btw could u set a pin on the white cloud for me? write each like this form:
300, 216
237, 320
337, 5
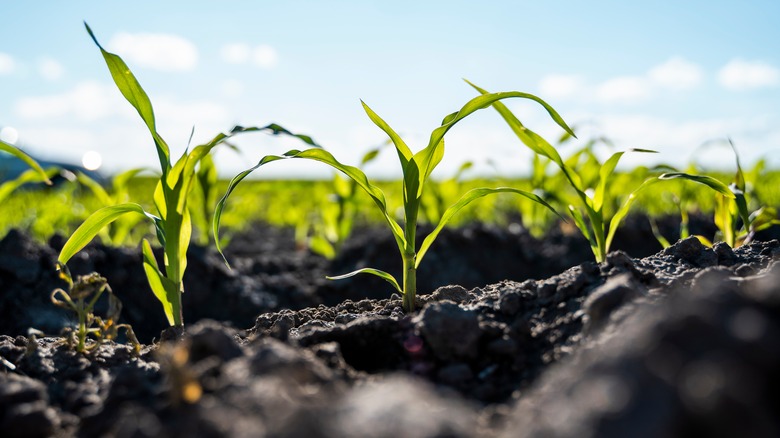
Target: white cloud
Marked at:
262, 56
624, 89
676, 73
678, 141
235, 53
265, 56
740, 75
162, 52
560, 86
179, 117
7, 63
88, 101
50, 69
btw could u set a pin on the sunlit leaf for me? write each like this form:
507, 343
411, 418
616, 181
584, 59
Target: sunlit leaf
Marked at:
93, 224
381, 274
466, 199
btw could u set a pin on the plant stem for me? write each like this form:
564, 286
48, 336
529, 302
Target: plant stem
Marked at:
82, 330
410, 281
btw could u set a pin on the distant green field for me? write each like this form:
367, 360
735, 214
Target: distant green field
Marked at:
44, 211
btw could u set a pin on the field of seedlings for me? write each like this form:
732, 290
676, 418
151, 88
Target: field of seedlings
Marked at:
585, 299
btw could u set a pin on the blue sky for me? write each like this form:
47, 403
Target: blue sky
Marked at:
664, 75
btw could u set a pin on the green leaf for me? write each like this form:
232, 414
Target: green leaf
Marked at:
274, 129
467, 198
604, 173
708, 181
94, 223
534, 141
320, 245
322, 156
28, 176
614, 223
95, 187
161, 286
579, 221
18, 153
382, 274
404, 153
130, 88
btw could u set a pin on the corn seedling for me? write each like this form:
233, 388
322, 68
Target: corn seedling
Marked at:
416, 168
81, 297
594, 224
173, 222
737, 225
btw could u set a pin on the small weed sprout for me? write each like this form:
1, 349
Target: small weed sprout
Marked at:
173, 223
81, 297
416, 169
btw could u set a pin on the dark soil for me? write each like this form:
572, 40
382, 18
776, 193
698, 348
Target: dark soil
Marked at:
513, 336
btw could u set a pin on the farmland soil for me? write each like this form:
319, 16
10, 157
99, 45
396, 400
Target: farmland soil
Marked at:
513, 336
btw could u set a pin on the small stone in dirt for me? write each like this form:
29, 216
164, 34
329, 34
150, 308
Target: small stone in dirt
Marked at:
609, 296
726, 256
453, 292
451, 331
210, 338
692, 251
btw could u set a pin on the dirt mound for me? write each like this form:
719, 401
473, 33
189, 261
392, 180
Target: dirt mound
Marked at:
679, 343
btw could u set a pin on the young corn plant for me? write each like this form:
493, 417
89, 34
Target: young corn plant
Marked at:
736, 224
173, 221
416, 169
595, 223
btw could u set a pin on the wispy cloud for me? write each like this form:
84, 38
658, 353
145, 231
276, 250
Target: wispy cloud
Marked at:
739, 75
164, 52
561, 86
677, 73
262, 56
7, 63
624, 89
50, 69
87, 101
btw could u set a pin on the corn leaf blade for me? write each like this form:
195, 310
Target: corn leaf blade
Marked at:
18, 153
381, 274
130, 88
466, 199
160, 285
96, 222
708, 181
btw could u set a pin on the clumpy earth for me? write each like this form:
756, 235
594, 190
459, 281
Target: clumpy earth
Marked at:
512, 336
